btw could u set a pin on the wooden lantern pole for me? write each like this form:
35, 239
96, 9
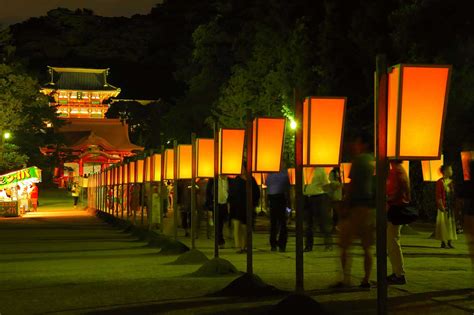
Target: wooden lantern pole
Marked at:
175, 189
215, 188
249, 194
299, 287
381, 100
193, 191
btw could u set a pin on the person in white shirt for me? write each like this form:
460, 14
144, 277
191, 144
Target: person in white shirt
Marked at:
317, 205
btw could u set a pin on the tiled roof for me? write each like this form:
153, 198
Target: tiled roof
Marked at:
111, 134
79, 79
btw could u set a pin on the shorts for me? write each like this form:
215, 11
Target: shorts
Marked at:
360, 224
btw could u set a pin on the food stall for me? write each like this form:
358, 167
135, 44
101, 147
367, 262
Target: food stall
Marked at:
11, 186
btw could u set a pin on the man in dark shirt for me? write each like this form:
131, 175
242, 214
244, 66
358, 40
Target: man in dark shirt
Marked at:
278, 191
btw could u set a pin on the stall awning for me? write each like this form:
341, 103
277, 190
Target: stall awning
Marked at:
26, 176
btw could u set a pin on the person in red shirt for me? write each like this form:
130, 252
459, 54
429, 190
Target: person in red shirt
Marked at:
398, 194
34, 197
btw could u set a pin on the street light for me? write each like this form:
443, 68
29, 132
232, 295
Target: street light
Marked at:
7, 135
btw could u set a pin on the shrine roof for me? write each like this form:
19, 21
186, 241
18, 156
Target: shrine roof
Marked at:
110, 134
79, 79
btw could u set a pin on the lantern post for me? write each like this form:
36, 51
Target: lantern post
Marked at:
175, 189
249, 193
215, 200
381, 104
299, 261
193, 191
161, 187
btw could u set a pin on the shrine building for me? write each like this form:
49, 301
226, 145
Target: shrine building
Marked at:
91, 141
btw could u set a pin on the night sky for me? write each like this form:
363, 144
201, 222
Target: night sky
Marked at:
13, 11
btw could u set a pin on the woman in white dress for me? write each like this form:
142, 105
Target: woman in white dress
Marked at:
445, 221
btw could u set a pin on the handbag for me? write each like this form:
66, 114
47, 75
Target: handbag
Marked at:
402, 214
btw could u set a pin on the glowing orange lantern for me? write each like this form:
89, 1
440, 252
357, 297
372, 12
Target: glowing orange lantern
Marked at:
125, 174
231, 150
466, 158
156, 167
323, 128
417, 99
292, 175
267, 144
204, 158
139, 171
345, 171
184, 161
432, 170
120, 175
169, 164
131, 172
148, 169
308, 175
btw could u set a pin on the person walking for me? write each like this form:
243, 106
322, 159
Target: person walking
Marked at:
318, 205
358, 217
335, 195
34, 197
222, 205
238, 207
184, 204
278, 192
398, 195
445, 221
75, 193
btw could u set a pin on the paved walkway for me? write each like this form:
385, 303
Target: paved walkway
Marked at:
65, 261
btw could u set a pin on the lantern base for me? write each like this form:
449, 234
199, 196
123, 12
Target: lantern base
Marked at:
216, 267
192, 257
249, 285
301, 302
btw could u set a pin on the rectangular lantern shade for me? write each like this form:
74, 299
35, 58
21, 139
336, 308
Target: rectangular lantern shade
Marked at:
292, 175
466, 158
307, 175
231, 150
148, 169
261, 179
131, 172
139, 171
323, 128
431, 170
102, 178
125, 174
109, 177
169, 164
267, 144
417, 99
119, 175
156, 167
205, 157
345, 171
185, 161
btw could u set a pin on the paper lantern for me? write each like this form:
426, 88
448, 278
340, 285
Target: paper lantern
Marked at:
185, 161
204, 158
431, 170
169, 164
156, 167
261, 179
148, 169
131, 172
466, 158
323, 128
267, 144
345, 171
417, 99
109, 177
102, 178
292, 175
308, 175
120, 175
125, 174
231, 150
139, 171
